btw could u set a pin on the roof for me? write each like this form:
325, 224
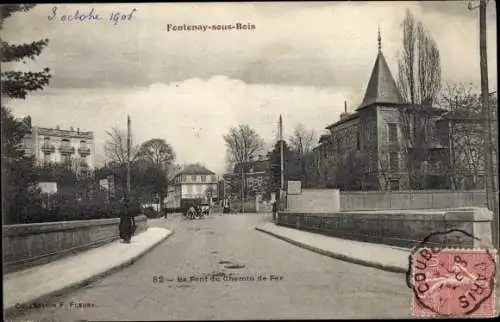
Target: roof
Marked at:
382, 88
195, 169
346, 119
257, 166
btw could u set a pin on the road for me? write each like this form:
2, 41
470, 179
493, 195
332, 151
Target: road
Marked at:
306, 285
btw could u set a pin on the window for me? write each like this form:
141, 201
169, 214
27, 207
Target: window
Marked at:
357, 141
394, 185
393, 132
393, 161
83, 144
65, 143
193, 178
203, 178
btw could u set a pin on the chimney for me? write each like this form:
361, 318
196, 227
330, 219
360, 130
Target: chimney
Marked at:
57, 127
71, 129
77, 130
344, 115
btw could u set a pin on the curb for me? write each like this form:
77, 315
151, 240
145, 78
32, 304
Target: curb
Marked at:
389, 268
9, 311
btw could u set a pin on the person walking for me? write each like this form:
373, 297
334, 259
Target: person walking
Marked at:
127, 222
275, 209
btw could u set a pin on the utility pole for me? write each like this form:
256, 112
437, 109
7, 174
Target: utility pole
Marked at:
128, 156
282, 163
486, 109
242, 187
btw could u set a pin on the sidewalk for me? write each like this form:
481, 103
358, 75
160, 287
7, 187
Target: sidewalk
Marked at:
25, 287
394, 259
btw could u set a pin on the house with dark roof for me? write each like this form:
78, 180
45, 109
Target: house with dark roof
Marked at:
372, 136
194, 181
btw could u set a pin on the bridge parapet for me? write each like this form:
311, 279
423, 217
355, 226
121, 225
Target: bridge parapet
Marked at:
402, 228
26, 245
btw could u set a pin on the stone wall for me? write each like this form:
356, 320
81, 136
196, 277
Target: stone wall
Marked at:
398, 228
314, 200
25, 245
424, 199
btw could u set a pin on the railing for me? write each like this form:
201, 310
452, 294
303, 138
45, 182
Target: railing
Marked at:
64, 149
84, 151
48, 148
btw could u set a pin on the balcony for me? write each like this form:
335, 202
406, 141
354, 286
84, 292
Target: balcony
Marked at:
66, 149
84, 151
48, 148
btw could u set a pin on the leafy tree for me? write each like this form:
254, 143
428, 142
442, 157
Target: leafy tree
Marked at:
157, 156
17, 84
20, 198
291, 167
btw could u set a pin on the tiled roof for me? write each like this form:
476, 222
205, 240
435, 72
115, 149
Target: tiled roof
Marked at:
382, 87
195, 169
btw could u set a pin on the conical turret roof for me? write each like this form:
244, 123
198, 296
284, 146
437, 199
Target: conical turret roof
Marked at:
382, 87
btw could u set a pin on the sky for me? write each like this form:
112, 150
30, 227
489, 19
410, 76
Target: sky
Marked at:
301, 60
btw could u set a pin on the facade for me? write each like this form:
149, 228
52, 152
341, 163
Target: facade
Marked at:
50, 146
365, 150
193, 182
256, 178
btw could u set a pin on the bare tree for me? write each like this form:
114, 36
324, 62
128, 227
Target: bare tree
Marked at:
419, 82
243, 144
301, 143
115, 147
464, 134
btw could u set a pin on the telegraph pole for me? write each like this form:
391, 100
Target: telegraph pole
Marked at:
485, 102
128, 155
282, 165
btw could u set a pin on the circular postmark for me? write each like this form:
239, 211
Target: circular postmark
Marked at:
451, 282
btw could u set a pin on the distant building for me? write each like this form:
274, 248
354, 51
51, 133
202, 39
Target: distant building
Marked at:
46, 145
365, 148
194, 181
256, 178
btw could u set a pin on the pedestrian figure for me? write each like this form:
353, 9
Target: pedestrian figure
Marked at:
127, 222
275, 208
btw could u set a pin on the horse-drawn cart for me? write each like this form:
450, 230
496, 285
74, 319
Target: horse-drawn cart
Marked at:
195, 208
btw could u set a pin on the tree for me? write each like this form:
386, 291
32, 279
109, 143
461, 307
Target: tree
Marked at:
115, 147
291, 166
242, 145
17, 84
157, 155
464, 132
20, 198
302, 142
419, 82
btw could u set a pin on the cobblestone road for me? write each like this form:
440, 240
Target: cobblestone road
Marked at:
308, 285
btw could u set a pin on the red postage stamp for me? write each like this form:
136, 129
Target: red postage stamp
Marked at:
453, 282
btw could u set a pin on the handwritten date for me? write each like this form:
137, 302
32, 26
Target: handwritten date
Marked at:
92, 15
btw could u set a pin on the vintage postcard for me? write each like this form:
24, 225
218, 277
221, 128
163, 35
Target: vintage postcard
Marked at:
249, 160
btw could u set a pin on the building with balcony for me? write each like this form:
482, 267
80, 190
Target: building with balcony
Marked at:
72, 147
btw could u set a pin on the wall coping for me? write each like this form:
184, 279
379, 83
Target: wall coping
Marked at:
450, 214
423, 192
45, 227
